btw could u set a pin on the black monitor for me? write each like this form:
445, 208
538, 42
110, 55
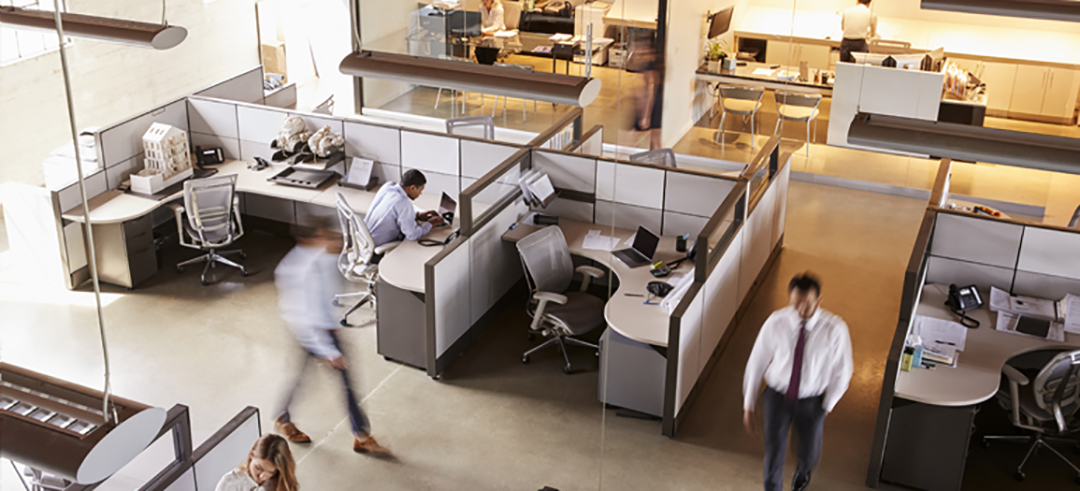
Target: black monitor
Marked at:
463, 23
720, 22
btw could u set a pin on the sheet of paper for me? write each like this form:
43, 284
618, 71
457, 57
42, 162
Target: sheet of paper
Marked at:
506, 34
764, 72
1007, 322
1002, 301
1072, 313
999, 299
360, 171
597, 242
941, 332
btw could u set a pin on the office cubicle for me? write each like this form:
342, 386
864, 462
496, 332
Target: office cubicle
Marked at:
963, 248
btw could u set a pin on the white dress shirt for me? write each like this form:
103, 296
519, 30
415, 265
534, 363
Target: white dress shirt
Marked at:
491, 21
238, 480
393, 216
305, 280
826, 363
859, 23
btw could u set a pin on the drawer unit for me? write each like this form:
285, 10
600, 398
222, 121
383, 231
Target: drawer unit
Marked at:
125, 252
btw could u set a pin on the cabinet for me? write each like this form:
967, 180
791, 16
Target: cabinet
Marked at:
790, 54
1060, 98
1000, 78
1027, 96
125, 252
1047, 92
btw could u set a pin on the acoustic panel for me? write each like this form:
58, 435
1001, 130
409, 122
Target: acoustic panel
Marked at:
315, 123
1050, 252
227, 454
251, 149
432, 153
693, 194
567, 171
952, 271
630, 184
70, 197
246, 87
452, 298
229, 146
1044, 286
721, 298
690, 362
679, 224
757, 236
124, 140
213, 118
627, 217
373, 142
479, 158
119, 173
570, 209
495, 264
441, 183
258, 124
976, 240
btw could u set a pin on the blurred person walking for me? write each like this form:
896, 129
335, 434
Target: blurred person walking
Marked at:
803, 353
304, 279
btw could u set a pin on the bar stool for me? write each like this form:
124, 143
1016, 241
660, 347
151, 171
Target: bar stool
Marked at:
743, 101
802, 108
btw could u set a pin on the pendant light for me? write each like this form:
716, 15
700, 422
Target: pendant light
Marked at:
158, 36
1063, 10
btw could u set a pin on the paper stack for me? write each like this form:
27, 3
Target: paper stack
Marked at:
597, 242
1030, 316
941, 339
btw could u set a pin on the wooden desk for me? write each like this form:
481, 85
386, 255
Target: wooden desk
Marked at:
628, 316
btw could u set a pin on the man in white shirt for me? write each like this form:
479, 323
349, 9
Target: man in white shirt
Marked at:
304, 279
804, 355
491, 17
393, 217
859, 25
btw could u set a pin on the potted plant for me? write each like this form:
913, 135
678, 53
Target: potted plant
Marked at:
716, 53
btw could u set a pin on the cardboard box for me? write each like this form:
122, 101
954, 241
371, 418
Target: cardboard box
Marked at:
273, 58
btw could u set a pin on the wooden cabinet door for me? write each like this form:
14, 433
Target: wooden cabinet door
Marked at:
781, 53
1029, 90
1059, 100
1000, 78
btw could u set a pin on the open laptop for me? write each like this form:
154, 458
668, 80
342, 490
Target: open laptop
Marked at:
447, 207
642, 250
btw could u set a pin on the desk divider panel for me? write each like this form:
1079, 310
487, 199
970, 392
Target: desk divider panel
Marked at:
379, 143
447, 283
214, 124
245, 87
226, 449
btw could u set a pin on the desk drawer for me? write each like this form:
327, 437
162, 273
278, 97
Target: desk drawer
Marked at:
139, 232
142, 264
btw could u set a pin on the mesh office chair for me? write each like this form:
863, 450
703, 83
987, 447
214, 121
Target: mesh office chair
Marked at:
355, 261
1047, 407
212, 221
742, 101
802, 108
664, 157
556, 312
470, 125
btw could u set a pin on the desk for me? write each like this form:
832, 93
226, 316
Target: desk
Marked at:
744, 75
943, 401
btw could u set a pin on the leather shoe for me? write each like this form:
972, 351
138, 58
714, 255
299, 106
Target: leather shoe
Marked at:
369, 446
290, 432
799, 483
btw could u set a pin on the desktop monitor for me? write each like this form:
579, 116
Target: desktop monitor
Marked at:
720, 22
463, 23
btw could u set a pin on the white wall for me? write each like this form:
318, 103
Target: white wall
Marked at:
112, 81
384, 26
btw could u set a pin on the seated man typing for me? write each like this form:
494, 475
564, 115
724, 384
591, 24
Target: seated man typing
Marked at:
392, 216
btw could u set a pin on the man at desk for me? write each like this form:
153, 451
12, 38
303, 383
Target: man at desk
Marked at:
392, 215
859, 25
491, 17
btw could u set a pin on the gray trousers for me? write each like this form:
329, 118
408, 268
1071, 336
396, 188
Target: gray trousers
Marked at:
809, 419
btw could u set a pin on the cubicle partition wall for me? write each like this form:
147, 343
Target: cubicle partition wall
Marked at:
245, 87
592, 142
735, 248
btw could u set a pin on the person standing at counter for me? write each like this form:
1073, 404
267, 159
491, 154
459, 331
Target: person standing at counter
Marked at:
491, 17
860, 26
392, 215
804, 355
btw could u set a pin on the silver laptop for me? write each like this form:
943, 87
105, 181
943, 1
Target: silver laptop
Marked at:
447, 207
641, 251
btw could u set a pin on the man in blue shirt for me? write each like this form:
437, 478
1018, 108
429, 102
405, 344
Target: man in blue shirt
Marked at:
392, 215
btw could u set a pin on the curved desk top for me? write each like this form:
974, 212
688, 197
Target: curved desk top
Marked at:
977, 374
629, 316
403, 267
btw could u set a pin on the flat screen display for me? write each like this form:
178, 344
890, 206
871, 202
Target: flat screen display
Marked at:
721, 22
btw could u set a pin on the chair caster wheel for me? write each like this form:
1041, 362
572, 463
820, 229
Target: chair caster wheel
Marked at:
1019, 476
179, 269
243, 272
984, 443
204, 282
532, 337
525, 359
344, 323
335, 303
567, 370
242, 255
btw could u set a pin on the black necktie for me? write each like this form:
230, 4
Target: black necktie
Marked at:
796, 366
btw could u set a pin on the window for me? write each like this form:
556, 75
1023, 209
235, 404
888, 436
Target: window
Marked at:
22, 44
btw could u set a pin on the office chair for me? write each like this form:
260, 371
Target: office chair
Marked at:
40, 481
556, 312
664, 157
1075, 220
1046, 408
486, 124
802, 108
212, 222
355, 261
742, 101
495, 107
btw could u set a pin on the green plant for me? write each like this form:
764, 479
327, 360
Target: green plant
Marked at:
717, 50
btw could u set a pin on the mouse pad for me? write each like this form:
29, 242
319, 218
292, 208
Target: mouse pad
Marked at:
1032, 326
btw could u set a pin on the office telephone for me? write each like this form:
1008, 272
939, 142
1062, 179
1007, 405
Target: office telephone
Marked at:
961, 300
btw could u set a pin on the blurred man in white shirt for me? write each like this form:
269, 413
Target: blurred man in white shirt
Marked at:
860, 26
804, 355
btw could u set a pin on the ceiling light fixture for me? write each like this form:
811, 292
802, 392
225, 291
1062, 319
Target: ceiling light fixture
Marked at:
158, 36
473, 77
965, 142
1063, 10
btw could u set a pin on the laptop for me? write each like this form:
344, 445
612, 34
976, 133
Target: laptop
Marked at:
447, 207
642, 250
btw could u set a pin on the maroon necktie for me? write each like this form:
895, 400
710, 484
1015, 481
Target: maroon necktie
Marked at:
796, 366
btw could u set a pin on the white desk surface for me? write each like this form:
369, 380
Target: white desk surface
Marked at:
403, 267
629, 316
978, 371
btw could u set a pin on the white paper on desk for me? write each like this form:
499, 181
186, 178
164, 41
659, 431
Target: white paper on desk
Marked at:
941, 332
1035, 307
360, 171
1007, 322
764, 72
1072, 313
597, 242
680, 284
506, 34
999, 299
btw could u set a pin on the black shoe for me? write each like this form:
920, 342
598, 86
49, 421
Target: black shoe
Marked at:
799, 483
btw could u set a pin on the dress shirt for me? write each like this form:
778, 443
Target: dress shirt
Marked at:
392, 216
491, 21
859, 23
304, 280
826, 366
238, 480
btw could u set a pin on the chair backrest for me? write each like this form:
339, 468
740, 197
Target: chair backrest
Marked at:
1058, 384
511, 14
548, 266
209, 206
745, 93
795, 99
486, 124
663, 157
358, 247
326, 107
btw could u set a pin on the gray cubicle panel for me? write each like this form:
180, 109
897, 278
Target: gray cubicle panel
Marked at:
437, 156
245, 87
568, 172
226, 449
258, 126
448, 300
379, 143
121, 146
214, 124
592, 142
1048, 265
973, 250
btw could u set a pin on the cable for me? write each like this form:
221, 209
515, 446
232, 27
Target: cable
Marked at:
964, 319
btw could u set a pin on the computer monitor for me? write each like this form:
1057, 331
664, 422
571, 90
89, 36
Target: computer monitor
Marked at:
463, 23
720, 22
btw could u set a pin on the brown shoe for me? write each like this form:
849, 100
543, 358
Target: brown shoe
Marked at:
290, 432
370, 446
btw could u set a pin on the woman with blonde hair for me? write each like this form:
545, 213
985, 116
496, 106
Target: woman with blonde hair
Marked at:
269, 467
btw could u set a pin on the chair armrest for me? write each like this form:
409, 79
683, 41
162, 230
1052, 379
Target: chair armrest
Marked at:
387, 247
1014, 375
588, 273
178, 211
544, 298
